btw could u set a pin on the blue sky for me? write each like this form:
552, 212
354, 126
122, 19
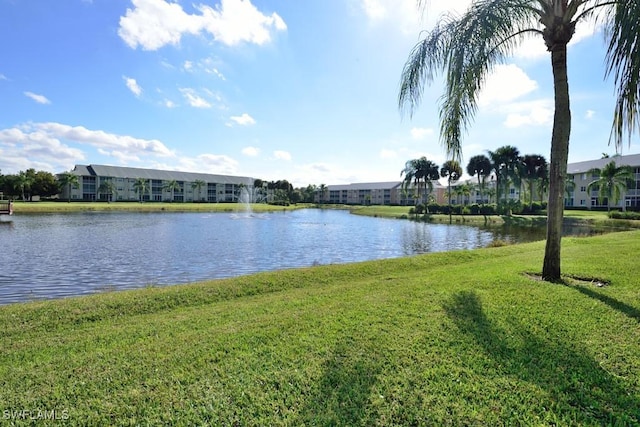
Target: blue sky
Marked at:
274, 89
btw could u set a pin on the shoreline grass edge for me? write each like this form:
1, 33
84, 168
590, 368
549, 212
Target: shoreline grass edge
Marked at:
464, 337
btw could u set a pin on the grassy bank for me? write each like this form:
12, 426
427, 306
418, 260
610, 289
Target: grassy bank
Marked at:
587, 218
458, 338
52, 207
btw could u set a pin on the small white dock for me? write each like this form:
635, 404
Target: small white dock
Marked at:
6, 207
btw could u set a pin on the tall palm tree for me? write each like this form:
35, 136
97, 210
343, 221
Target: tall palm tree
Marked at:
463, 191
321, 196
480, 167
465, 48
611, 183
534, 168
197, 186
452, 171
68, 179
422, 173
505, 165
108, 188
569, 186
141, 186
171, 186
23, 181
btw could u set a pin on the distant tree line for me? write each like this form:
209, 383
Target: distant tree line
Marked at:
505, 167
284, 193
27, 184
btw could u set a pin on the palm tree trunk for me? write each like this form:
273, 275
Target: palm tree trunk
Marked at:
531, 195
558, 165
449, 192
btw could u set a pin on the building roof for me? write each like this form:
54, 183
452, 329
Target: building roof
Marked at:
372, 186
582, 167
365, 186
164, 175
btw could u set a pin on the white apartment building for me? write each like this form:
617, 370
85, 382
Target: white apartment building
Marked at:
579, 172
216, 188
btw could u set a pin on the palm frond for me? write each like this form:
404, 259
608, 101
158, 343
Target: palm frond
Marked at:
623, 62
465, 49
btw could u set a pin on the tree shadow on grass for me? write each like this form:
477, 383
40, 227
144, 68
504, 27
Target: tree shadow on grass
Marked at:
620, 306
342, 395
581, 391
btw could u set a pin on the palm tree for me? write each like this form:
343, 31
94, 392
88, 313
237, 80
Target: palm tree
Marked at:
197, 185
23, 181
569, 186
422, 172
467, 47
141, 186
107, 188
463, 191
505, 164
68, 179
171, 185
491, 193
452, 171
534, 168
321, 196
611, 183
480, 166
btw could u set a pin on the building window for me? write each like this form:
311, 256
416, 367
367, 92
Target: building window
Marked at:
583, 188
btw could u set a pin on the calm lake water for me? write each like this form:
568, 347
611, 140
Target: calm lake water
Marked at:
59, 255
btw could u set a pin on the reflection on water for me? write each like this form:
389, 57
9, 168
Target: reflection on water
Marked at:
57, 255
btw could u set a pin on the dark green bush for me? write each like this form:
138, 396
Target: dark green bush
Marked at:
624, 215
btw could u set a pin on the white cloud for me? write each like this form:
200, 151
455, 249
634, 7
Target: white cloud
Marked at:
194, 99
101, 139
282, 155
243, 120
421, 133
27, 147
533, 113
188, 65
501, 92
251, 151
406, 14
123, 158
54, 147
207, 163
238, 21
590, 114
169, 103
152, 24
217, 73
40, 99
133, 86
505, 84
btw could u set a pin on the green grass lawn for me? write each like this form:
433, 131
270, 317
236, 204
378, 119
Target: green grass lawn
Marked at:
457, 338
584, 217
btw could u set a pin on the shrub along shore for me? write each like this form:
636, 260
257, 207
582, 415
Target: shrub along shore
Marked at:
591, 218
456, 338
60, 207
